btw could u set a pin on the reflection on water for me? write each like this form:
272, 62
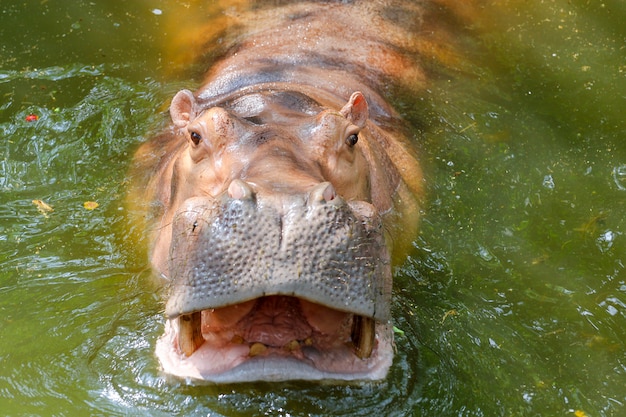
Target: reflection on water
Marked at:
619, 176
512, 303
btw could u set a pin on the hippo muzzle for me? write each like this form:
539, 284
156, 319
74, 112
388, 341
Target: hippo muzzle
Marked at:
298, 284
230, 250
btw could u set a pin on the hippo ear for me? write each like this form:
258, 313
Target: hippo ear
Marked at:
183, 108
356, 110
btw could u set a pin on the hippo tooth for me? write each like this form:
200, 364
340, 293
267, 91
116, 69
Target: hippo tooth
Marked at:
256, 349
190, 332
363, 336
291, 346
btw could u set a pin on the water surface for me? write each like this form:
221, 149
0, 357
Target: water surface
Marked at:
512, 303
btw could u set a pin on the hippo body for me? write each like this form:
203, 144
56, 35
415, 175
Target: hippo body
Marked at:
276, 198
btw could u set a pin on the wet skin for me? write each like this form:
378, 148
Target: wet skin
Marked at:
275, 200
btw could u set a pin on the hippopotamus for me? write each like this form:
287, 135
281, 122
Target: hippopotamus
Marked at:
279, 196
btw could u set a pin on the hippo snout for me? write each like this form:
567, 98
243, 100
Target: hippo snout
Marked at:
247, 244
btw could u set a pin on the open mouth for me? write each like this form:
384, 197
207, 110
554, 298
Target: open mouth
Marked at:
257, 293
275, 338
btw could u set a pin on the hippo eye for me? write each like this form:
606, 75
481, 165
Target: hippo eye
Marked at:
195, 137
352, 140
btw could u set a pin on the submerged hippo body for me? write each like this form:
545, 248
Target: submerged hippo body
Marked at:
277, 195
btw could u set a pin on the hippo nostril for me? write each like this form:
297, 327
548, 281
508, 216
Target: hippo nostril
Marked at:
329, 193
239, 190
322, 193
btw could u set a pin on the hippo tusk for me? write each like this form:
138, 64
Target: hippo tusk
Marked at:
190, 332
363, 336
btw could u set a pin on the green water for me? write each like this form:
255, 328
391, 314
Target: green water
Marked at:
513, 302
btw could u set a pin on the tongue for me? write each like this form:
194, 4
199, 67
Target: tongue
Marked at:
276, 321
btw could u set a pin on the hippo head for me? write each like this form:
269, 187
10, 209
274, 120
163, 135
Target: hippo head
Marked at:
272, 247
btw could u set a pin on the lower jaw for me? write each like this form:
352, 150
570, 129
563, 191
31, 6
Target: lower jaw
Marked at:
242, 363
